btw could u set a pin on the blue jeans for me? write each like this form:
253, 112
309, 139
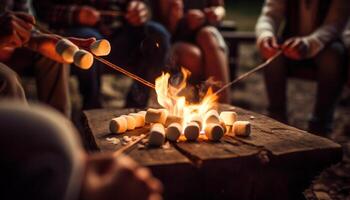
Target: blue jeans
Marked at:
142, 50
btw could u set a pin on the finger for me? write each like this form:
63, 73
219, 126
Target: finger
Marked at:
287, 43
143, 173
23, 23
127, 162
26, 17
155, 196
15, 41
155, 185
22, 33
274, 43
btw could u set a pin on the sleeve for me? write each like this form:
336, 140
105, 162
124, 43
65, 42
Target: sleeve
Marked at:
270, 20
331, 29
56, 14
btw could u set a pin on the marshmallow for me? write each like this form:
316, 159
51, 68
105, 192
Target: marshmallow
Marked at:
212, 116
118, 125
139, 119
157, 135
131, 123
83, 59
173, 119
198, 120
214, 132
66, 49
192, 131
173, 132
156, 116
229, 117
100, 47
242, 128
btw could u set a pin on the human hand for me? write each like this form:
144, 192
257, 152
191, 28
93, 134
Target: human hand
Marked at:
15, 29
195, 19
268, 47
295, 48
45, 44
214, 15
107, 178
137, 13
88, 16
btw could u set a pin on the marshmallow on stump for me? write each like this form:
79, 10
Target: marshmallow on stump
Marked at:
100, 47
192, 131
212, 116
198, 120
143, 113
156, 116
131, 123
83, 59
66, 49
118, 125
214, 132
157, 135
139, 119
242, 128
173, 132
229, 117
173, 119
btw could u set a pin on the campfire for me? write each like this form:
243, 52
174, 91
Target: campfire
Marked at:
179, 119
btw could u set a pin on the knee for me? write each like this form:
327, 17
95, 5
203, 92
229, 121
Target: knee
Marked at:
206, 37
188, 56
332, 59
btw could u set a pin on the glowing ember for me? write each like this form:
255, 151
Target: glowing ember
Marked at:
169, 97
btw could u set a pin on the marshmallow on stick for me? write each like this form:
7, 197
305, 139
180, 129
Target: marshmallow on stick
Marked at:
198, 120
229, 117
156, 116
139, 119
173, 132
241, 128
83, 59
118, 125
100, 47
192, 131
66, 49
214, 132
157, 135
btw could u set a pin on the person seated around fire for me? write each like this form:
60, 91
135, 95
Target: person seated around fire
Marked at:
198, 45
24, 50
138, 44
310, 39
43, 158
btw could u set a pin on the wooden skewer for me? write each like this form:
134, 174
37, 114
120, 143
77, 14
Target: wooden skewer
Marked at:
245, 75
104, 61
111, 13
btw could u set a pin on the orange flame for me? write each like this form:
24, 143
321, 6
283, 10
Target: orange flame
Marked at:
169, 97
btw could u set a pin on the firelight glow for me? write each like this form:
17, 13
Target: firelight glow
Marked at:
169, 97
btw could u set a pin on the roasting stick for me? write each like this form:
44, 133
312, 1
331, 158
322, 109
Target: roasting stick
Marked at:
106, 62
129, 145
245, 75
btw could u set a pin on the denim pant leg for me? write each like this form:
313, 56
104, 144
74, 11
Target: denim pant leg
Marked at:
143, 50
89, 80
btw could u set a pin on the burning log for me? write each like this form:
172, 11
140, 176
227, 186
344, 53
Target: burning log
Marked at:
229, 117
241, 128
130, 121
173, 119
157, 135
214, 132
83, 59
118, 125
101, 47
66, 49
173, 132
139, 119
192, 131
212, 116
156, 116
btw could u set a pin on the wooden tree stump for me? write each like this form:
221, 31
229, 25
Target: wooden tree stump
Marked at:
276, 162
